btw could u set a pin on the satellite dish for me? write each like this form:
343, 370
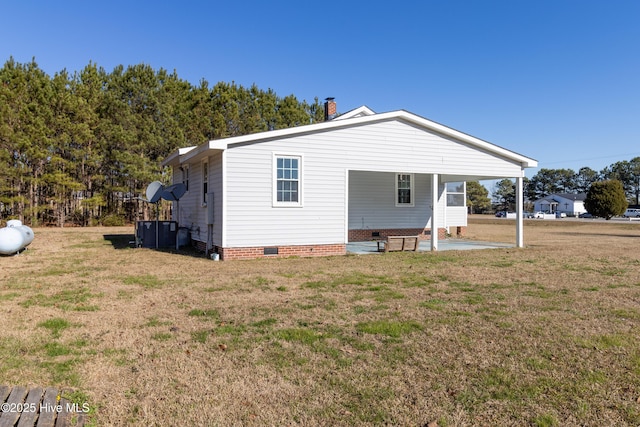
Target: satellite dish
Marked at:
154, 191
174, 192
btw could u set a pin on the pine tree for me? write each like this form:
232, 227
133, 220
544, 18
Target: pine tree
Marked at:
477, 197
83, 146
606, 199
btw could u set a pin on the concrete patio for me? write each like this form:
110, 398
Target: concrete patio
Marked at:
371, 247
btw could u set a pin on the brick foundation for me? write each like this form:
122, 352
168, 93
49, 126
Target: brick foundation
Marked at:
227, 254
201, 246
369, 234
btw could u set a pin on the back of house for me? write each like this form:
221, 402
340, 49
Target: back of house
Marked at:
308, 190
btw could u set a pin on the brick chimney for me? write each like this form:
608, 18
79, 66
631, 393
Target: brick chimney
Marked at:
330, 111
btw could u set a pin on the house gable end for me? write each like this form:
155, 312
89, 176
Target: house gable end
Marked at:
364, 118
357, 112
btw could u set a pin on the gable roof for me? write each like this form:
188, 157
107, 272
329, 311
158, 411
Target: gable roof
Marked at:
356, 112
580, 197
357, 117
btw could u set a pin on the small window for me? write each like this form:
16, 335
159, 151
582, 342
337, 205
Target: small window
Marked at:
455, 194
205, 181
288, 183
404, 189
185, 176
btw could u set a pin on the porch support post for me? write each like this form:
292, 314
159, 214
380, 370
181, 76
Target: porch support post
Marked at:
435, 195
519, 211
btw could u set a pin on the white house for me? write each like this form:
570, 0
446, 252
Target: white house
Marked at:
309, 190
571, 204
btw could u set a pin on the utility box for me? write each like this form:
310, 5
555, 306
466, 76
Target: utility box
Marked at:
167, 232
184, 237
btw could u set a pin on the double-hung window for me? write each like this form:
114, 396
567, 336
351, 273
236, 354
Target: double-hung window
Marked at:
205, 181
456, 194
288, 180
185, 176
404, 189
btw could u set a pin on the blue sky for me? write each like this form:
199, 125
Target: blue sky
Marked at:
558, 81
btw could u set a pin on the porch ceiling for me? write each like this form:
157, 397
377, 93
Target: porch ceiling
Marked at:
459, 178
447, 177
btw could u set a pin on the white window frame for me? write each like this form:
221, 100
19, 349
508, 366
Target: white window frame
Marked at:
463, 193
205, 181
185, 176
300, 180
412, 193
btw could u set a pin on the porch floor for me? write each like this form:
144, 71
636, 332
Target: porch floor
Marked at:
371, 247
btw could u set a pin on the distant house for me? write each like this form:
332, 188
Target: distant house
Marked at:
571, 204
309, 190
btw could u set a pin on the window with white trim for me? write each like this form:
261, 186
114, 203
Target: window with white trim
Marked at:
404, 189
456, 194
205, 181
185, 176
288, 181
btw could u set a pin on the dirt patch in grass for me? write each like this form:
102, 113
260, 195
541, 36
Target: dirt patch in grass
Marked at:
546, 335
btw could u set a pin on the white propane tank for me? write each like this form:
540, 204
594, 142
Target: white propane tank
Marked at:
27, 234
11, 240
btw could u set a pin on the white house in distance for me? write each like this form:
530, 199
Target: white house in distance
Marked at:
308, 190
571, 204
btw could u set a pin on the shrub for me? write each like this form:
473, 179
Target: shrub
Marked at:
113, 220
606, 199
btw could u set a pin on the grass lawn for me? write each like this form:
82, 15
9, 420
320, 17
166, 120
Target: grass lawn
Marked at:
548, 335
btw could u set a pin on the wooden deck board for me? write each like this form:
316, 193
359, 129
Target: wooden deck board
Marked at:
28, 417
10, 418
49, 401
4, 393
36, 406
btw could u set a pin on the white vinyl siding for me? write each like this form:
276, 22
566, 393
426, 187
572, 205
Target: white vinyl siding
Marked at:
216, 188
191, 213
254, 220
391, 147
456, 216
372, 203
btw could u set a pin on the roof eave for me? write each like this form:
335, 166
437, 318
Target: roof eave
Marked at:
223, 144
174, 158
195, 154
524, 161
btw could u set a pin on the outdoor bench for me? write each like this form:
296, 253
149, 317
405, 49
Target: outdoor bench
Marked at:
399, 243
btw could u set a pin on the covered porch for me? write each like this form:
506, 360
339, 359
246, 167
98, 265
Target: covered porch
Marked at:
433, 210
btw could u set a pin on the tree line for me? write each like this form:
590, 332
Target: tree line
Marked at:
81, 147
554, 181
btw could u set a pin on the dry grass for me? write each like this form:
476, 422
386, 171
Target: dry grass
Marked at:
546, 335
